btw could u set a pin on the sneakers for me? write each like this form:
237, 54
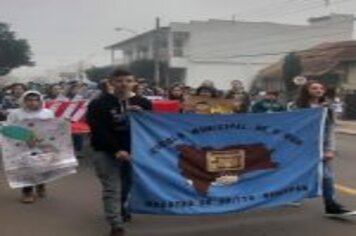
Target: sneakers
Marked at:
335, 210
126, 218
41, 191
117, 232
28, 198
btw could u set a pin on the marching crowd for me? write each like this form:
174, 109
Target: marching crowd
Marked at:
107, 116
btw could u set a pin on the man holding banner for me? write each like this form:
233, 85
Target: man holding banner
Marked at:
108, 118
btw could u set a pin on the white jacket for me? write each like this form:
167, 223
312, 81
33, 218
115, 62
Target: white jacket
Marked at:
20, 114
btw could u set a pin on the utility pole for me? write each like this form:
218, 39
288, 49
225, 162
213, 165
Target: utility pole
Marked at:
112, 55
156, 54
328, 6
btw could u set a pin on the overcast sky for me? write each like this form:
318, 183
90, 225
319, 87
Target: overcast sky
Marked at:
64, 32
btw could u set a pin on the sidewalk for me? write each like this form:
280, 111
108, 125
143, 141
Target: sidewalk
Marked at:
346, 127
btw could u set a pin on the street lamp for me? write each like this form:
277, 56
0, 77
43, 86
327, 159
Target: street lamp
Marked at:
118, 29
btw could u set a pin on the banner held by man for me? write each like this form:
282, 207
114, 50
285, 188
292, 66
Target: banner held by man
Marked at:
198, 164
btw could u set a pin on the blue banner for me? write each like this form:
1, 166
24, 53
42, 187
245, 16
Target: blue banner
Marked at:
207, 164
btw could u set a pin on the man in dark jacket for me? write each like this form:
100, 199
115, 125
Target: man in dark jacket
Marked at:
108, 118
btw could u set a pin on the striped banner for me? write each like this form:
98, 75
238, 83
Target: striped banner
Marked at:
73, 111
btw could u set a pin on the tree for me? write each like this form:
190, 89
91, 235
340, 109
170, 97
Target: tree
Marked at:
14, 52
145, 69
98, 73
292, 67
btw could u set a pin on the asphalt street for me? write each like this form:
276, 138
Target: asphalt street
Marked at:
73, 208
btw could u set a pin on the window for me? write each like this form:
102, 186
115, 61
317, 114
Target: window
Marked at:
179, 42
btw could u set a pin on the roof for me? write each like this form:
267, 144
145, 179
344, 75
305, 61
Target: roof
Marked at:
137, 37
317, 60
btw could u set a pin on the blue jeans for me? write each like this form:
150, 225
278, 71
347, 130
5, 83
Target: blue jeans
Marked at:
112, 174
328, 184
77, 142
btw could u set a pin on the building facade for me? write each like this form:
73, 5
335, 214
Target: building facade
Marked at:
223, 51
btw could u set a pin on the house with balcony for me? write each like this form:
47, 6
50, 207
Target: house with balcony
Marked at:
222, 50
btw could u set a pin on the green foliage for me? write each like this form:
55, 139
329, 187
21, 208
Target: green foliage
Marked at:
145, 69
13, 52
98, 73
141, 69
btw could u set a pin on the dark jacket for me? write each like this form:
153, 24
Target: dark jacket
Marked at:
265, 106
108, 119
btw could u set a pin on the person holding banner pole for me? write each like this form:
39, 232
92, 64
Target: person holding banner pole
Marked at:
74, 95
108, 118
31, 108
312, 95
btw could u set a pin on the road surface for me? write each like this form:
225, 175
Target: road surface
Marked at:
73, 208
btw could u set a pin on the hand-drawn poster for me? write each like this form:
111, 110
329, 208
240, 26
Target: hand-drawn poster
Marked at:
37, 151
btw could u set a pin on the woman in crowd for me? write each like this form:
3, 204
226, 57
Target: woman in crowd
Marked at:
55, 93
313, 95
240, 96
176, 93
105, 87
12, 100
140, 90
207, 91
74, 95
74, 92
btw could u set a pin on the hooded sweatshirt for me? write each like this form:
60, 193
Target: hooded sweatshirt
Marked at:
108, 119
22, 113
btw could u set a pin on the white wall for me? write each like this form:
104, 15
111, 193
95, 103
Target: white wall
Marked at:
222, 49
221, 73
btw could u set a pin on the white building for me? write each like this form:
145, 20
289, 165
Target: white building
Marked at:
226, 50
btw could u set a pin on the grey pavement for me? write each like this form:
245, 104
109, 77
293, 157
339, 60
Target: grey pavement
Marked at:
73, 208
346, 127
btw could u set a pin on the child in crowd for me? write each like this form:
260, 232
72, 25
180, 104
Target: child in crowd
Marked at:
31, 107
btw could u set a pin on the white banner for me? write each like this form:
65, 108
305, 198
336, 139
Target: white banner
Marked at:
37, 151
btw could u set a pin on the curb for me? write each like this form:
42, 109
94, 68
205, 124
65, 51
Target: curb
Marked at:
345, 131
